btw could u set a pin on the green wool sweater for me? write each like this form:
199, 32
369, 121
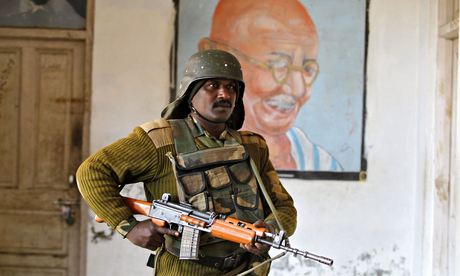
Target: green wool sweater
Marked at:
138, 158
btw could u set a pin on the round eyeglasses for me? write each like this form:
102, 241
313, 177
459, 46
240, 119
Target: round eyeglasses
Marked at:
280, 66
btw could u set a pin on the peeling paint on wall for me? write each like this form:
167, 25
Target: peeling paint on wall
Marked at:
375, 262
442, 188
101, 235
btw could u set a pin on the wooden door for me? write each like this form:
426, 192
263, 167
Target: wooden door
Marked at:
42, 84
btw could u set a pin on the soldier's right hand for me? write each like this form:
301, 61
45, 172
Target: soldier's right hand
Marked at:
148, 235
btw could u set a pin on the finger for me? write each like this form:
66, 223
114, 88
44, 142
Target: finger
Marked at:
259, 223
248, 247
262, 247
167, 231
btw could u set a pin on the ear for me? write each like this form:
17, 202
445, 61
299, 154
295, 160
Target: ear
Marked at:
204, 44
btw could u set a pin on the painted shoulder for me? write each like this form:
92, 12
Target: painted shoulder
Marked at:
159, 131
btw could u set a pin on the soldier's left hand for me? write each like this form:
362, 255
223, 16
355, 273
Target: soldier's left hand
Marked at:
258, 248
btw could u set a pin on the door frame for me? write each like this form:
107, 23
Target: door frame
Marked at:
438, 252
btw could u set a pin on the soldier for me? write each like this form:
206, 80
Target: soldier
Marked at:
200, 128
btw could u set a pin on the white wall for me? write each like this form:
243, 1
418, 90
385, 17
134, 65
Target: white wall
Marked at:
130, 86
372, 226
130, 65
368, 227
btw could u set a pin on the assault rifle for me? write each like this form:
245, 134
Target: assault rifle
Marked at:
191, 222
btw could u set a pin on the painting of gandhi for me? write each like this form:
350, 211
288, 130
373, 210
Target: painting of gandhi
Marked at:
278, 45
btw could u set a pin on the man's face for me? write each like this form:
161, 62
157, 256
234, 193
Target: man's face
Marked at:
215, 100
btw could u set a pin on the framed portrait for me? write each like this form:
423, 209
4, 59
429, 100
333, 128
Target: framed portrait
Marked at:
62, 14
304, 66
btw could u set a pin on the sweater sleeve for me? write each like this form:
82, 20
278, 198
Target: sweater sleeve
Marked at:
283, 202
101, 177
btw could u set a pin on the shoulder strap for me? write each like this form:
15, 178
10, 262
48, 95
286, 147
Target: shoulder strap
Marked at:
265, 193
159, 131
259, 179
184, 143
273, 209
155, 124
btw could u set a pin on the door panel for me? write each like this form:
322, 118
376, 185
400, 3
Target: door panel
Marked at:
54, 121
39, 232
41, 114
27, 272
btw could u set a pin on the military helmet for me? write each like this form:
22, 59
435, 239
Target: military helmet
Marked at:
208, 64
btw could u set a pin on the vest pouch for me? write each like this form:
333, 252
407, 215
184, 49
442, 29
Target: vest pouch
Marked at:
192, 183
218, 178
220, 187
247, 194
201, 201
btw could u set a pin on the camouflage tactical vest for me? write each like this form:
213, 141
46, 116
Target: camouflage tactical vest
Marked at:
216, 179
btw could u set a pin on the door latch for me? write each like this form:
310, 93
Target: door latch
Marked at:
67, 213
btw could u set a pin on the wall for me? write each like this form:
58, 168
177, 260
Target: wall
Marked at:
130, 86
369, 228
130, 65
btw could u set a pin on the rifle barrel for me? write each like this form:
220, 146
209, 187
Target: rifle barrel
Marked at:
305, 254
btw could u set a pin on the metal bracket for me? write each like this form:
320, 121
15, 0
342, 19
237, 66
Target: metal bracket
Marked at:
67, 213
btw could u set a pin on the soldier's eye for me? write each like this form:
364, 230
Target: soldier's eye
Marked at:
214, 85
231, 86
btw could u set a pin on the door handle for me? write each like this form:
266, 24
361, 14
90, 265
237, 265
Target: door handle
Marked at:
67, 213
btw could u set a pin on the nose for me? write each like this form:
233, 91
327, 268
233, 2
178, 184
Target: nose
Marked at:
295, 84
224, 92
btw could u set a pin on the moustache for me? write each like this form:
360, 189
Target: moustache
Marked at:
222, 103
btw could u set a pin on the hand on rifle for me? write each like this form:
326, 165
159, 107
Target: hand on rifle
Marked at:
258, 248
148, 235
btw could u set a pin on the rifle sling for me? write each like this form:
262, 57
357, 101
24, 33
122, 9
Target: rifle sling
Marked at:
265, 193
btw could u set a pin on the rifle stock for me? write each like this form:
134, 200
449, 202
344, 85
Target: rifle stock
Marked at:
139, 207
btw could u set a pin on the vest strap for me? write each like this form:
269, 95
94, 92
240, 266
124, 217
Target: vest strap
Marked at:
184, 143
183, 138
